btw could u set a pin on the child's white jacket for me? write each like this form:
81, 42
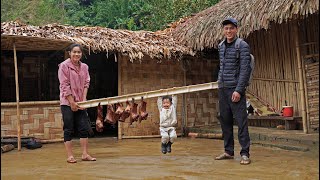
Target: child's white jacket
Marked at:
168, 117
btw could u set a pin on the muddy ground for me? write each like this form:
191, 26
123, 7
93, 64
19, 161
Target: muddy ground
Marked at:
142, 159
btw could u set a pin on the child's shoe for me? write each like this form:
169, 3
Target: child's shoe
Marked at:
163, 148
169, 147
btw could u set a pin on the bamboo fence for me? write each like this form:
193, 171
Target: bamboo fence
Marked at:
275, 76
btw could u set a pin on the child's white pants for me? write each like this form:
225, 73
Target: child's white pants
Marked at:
168, 134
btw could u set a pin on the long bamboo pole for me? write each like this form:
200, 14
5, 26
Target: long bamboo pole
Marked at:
301, 84
148, 94
17, 94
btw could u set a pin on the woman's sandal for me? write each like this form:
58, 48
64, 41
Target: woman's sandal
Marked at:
89, 158
224, 156
245, 160
71, 160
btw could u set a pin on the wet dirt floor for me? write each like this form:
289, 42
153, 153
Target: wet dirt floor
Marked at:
141, 159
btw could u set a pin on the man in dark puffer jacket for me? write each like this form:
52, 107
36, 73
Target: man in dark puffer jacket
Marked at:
233, 78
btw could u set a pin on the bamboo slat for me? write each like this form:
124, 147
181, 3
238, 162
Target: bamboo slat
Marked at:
146, 136
301, 82
30, 103
17, 95
277, 80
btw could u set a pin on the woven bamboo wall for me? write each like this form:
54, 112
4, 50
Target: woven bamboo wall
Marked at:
203, 106
149, 75
40, 121
276, 70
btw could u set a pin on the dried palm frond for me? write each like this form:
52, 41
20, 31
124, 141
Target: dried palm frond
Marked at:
204, 29
135, 44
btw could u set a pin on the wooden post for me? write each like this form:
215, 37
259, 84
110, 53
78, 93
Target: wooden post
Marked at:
184, 103
17, 95
301, 84
119, 93
305, 93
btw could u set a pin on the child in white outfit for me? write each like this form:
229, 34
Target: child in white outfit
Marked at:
168, 119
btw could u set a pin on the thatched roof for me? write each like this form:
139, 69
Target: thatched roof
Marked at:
135, 44
204, 30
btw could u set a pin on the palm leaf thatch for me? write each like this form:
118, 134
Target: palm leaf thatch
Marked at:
135, 44
204, 29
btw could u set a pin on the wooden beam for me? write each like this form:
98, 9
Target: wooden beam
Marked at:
31, 103
149, 94
275, 118
147, 136
301, 83
277, 80
17, 95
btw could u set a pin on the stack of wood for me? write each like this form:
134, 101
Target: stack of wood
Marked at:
312, 80
6, 148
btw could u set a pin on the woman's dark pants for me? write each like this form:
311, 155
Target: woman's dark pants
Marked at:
72, 121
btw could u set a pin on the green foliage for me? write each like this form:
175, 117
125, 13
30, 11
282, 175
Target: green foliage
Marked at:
32, 11
117, 14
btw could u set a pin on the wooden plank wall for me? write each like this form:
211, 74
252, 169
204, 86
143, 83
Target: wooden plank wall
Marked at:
309, 36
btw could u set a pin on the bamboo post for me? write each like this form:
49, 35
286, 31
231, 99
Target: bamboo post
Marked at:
301, 84
119, 93
17, 95
184, 102
306, 93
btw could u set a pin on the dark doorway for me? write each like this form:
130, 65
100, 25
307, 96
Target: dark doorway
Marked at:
104, 83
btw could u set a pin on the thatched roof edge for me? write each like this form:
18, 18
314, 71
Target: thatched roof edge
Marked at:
204, 29
135, 44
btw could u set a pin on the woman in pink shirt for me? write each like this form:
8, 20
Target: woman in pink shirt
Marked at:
74, 81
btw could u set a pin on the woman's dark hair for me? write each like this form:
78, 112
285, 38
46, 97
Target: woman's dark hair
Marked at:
75, 45
167, 97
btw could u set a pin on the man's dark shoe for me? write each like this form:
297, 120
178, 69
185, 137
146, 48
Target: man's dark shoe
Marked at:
169, 147
163, 148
